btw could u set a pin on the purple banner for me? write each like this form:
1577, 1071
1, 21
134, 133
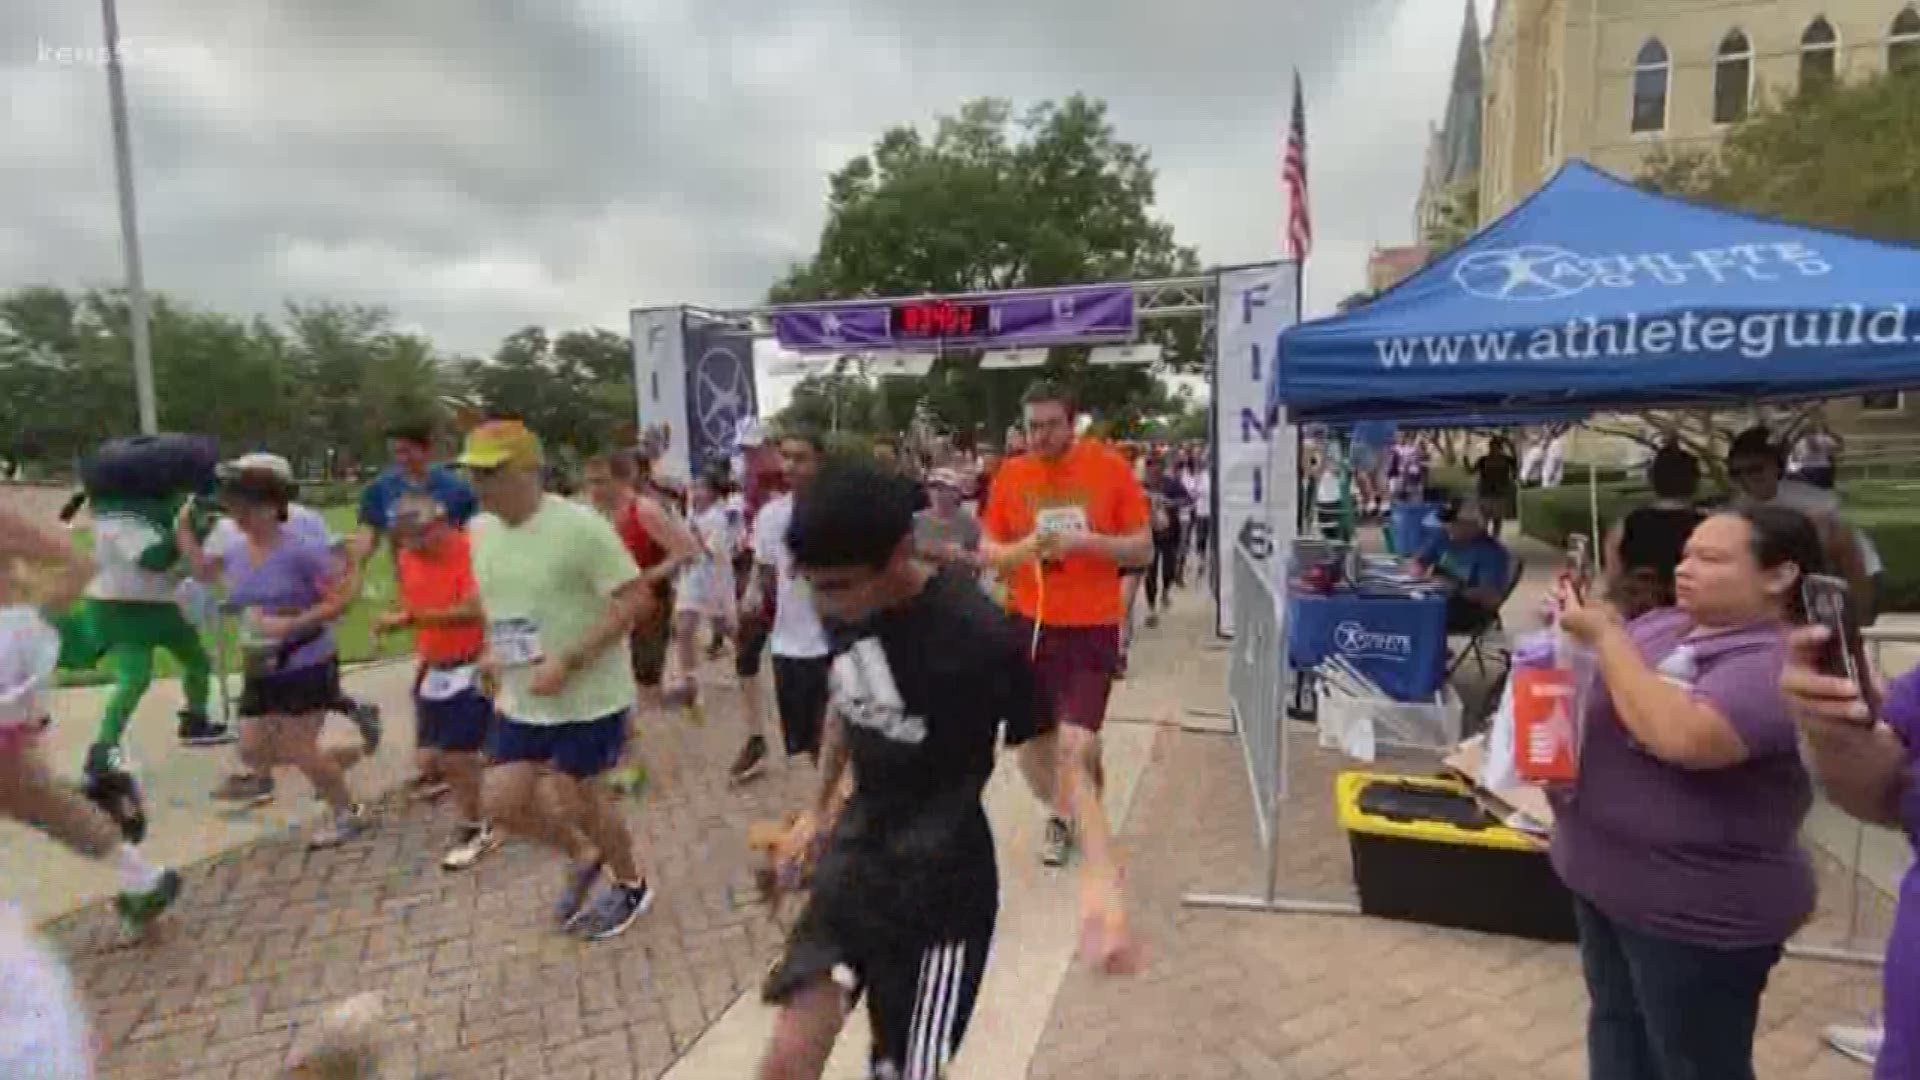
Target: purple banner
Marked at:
1081, 314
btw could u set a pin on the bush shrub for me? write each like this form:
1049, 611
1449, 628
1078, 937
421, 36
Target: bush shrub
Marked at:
1891, 516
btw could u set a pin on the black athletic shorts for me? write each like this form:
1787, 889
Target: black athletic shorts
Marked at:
919, 994
800, 691
750, 645
295, 692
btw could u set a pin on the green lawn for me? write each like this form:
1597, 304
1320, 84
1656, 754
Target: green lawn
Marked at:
357, 641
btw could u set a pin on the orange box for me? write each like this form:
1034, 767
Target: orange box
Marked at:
1544, 723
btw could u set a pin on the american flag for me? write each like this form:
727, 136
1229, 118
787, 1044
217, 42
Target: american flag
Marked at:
1294, 175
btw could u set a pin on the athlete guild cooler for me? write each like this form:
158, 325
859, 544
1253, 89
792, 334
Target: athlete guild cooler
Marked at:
1425, 851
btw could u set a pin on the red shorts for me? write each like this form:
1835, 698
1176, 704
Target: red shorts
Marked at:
1074, 666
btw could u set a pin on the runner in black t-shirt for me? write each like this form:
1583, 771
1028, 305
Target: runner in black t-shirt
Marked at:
926, 673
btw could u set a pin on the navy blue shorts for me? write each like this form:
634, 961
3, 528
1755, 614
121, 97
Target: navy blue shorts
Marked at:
582, 749
458, 725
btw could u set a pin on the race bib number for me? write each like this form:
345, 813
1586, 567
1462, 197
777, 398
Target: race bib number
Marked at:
445, 684
1061, 519
515, 642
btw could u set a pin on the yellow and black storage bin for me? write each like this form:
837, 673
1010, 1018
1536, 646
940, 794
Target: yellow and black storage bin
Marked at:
1424, 851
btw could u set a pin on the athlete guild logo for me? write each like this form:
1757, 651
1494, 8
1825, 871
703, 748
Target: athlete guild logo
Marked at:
1354, 639
1528, 273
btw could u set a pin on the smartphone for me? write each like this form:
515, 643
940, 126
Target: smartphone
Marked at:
1579, 565
1829, 604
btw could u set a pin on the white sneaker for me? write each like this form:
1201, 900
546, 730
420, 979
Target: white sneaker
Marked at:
1861, 1044
474, 841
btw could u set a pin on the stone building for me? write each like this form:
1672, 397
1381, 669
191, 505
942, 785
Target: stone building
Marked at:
1610, 80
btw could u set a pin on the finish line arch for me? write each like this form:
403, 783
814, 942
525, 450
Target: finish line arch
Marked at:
695, 380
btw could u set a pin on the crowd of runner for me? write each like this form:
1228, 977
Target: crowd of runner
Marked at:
888, 591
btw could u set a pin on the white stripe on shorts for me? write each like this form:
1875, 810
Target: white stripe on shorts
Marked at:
936, 1003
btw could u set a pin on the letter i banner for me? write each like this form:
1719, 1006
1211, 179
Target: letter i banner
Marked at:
1544, 744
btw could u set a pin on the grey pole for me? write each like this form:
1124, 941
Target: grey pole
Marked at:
129, 226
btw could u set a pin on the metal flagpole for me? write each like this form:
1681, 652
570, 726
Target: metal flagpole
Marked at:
129, 226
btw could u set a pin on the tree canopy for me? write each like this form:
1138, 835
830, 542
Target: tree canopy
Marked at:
991, 200
322, 384
1836, 156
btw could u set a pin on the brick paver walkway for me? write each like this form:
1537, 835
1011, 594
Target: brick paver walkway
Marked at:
1254, 996
476, 984
477, 987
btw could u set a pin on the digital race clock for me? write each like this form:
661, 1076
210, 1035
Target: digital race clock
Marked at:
932, 319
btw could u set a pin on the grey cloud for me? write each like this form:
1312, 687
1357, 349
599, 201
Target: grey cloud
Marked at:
478, 164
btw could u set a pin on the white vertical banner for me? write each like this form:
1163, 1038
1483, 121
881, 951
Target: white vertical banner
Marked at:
660, 381
1254, 482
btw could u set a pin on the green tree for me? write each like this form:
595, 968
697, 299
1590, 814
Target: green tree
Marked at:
1456, 218
1841, 157
576, 390
988, 201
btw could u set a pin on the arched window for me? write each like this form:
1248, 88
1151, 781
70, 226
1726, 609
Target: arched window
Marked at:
1732, 78
1903, 43
1650, 69
1819, 51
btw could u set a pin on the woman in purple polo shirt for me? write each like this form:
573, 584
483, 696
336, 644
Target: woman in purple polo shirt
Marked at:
1868, 770
289, 589
1679, 839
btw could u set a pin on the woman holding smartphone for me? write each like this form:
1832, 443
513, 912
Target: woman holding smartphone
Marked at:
1679, 839
1866, 764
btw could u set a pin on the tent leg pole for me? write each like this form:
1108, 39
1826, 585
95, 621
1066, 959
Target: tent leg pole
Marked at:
1593, 504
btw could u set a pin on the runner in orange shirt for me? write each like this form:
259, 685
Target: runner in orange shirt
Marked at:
440, 603
1062, 521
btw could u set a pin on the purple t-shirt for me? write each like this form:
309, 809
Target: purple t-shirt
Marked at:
292, 578
1705, 856
1900, 1056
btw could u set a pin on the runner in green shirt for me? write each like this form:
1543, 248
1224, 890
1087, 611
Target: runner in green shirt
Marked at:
561, 594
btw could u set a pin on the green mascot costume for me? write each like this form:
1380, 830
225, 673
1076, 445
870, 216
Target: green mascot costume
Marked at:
136, 489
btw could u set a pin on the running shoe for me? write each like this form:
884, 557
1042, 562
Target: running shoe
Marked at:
573, 894
137, 910
366, 717
108, 783
197, 729
750, 762
1057, 847
717, 648
1861, 1044
343, 826
1153, 620
469, 845
245, 789
616, 910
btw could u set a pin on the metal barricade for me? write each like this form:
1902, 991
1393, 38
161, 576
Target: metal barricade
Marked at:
1254, 682
1259, 682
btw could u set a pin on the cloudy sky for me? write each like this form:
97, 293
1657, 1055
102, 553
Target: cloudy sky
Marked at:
478, 165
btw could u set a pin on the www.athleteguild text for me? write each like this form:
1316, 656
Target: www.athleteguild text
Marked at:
1755, 336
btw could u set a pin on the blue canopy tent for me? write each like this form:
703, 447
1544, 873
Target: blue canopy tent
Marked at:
1595, 295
